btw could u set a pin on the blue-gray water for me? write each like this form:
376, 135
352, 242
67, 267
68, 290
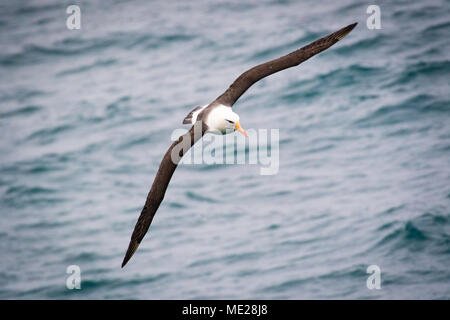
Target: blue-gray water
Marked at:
86, 116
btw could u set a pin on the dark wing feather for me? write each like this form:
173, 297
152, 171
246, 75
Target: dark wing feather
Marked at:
159, 186
248, 78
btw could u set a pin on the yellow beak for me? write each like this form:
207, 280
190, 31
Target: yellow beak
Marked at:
240, 129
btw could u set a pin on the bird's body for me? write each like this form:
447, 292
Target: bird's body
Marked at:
219, 118
216, 117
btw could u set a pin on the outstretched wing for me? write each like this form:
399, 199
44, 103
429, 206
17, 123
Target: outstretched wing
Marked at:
249, 77
156, 195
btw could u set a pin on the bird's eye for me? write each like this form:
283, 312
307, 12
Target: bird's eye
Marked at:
229, 121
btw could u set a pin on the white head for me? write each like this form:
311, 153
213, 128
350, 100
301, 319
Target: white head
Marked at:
223, 119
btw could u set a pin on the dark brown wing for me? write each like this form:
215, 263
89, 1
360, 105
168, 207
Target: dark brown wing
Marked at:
156, 195
248, 78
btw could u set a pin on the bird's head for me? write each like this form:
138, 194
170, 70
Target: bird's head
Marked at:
232, 123
226, 120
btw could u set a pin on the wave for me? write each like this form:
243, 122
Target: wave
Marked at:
426, 231
47, 135
408, 110
352, 273
421, 70
88, 67
197, 197
33, 53
32, 9
23, 111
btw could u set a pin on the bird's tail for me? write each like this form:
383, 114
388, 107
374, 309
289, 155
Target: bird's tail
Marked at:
190, 117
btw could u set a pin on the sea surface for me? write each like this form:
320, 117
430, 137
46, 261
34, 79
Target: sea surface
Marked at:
364, 151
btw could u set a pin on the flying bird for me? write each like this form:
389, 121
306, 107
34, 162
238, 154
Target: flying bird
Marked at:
219, 118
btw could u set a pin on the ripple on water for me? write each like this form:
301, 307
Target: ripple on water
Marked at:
407, 110
198, 197
426, 231
27, 110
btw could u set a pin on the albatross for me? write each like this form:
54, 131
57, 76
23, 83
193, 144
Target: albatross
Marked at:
218, 118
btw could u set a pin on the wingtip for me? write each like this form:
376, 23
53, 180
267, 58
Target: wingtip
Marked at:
345, 31
352, 26
131, 250
125, 261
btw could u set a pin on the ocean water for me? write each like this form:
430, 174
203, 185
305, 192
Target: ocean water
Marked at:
364, 151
